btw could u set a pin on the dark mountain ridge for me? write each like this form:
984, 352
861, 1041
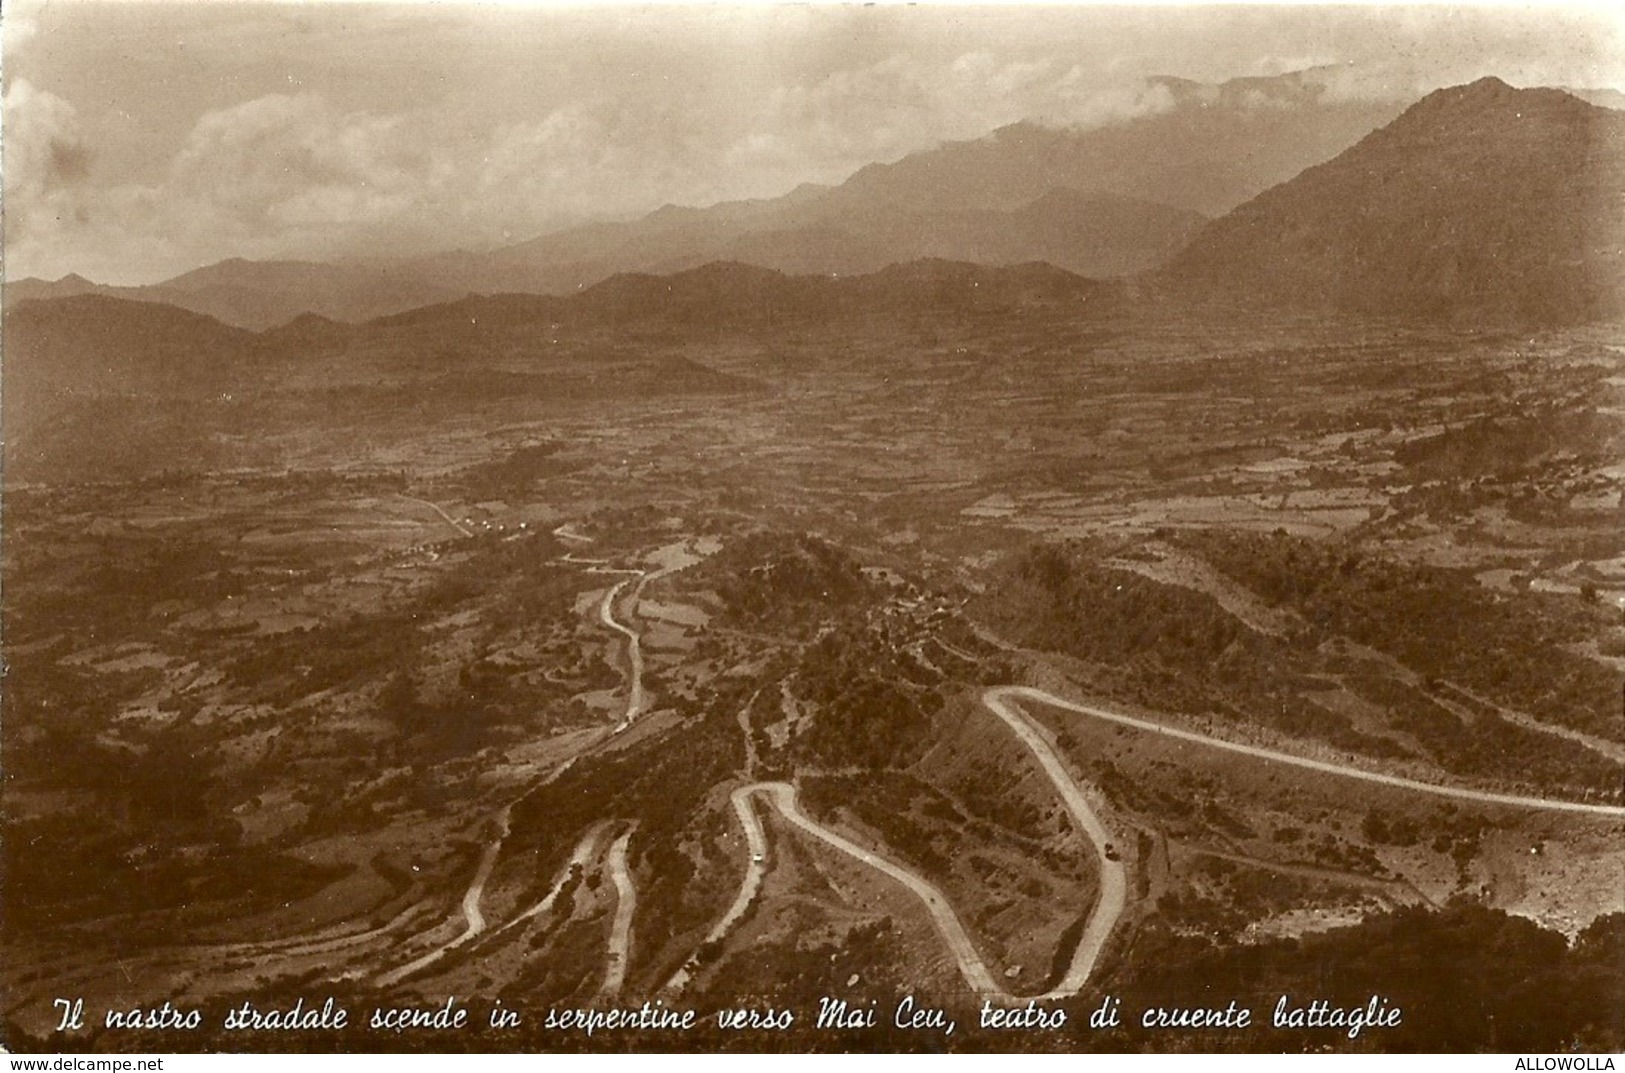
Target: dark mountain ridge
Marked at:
1116, 199
731, 292
261, 294
1481, 203
94, 344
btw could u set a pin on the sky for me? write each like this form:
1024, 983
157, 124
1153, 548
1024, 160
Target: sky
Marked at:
143, 139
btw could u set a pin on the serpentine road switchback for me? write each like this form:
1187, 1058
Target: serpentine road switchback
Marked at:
474, 919
1002, 701
1113, 876
634, 643
994, 697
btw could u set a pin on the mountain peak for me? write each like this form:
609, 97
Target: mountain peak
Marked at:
306, 323
1482, 202
1488, 91
1490, 96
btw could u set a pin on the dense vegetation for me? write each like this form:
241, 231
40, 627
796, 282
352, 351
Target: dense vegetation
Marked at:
1177, 649
1438, 622
1467, 979
791, 583
868, 714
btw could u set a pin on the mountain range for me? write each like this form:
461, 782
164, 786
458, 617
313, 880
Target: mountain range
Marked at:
1111, 200
98, 385
1481, 203
59, 350
1477, 203
259, 294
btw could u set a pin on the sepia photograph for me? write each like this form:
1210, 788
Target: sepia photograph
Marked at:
802, 528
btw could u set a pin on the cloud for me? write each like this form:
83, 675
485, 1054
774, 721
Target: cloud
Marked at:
46, 157
827, 129
295, 175
1085, 107
899, 104
275, 176
446, 125
293, 162
17, 27
599, 155
292, 175
571, 162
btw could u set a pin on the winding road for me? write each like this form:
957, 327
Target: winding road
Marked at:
462, 530
578, 858
330, 940
1002, 701
606, 615
636, 695
756, 842
620, 933
634, 645
1113, 876
971, 965
995, 697
473, 918
1109, 907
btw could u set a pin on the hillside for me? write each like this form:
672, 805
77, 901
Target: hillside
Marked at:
731, 292
1207, 149
1481, 202
99, 387
1091, 235
94, 385
1105, 201
89, 344
1111, 200
261, 294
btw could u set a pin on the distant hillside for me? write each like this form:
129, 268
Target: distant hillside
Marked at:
59, 351
731, 293
261, 294
1211, 148
1481, 203
1111, 200
106, 389
69, 286
819, 232
76, 366
1089, 235
90, 344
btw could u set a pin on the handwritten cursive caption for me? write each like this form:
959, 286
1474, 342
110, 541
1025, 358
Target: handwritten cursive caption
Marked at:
906, 1014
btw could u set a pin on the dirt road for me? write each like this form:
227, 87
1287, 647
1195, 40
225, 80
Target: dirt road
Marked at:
474, 920
755, 869
1113, 877
462, 530
971, 966
620, 933
1347, 771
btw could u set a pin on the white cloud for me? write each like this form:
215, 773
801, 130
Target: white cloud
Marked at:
17, 27
294, 162
46, 157
290, 175
293, 175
